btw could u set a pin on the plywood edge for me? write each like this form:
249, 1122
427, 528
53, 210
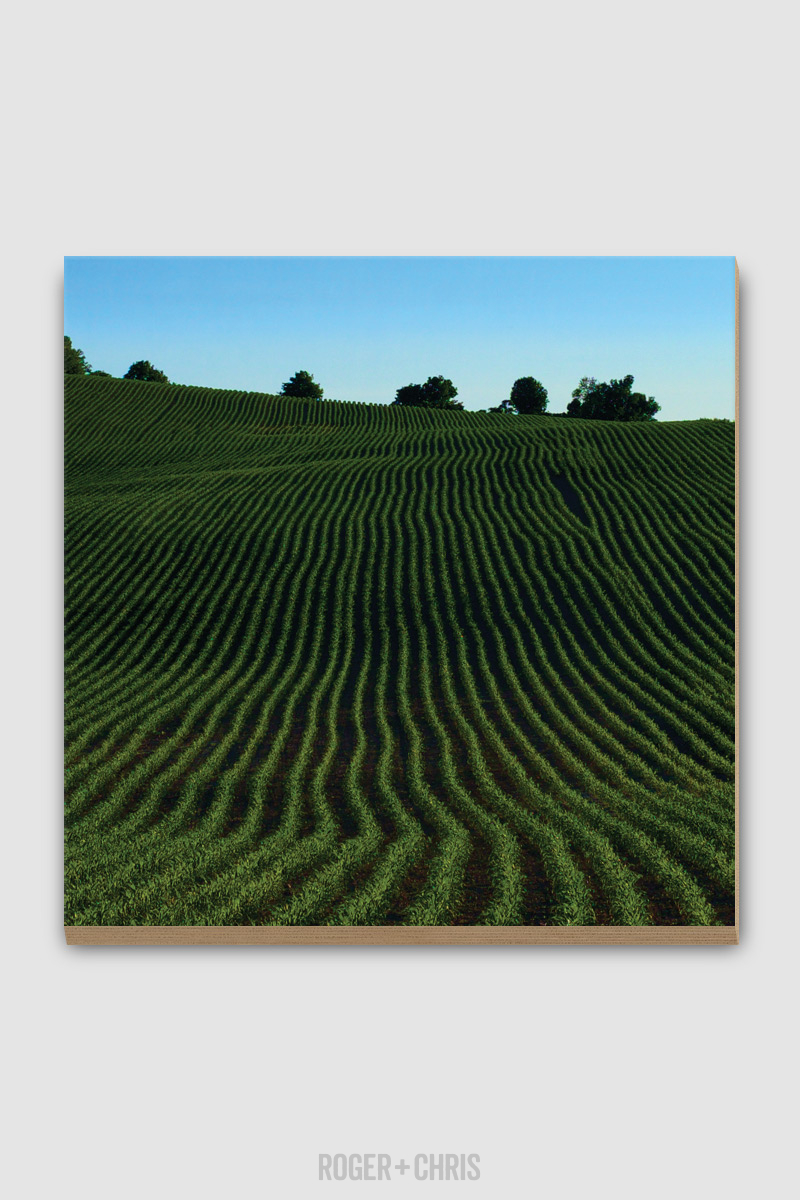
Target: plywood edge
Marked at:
393, 935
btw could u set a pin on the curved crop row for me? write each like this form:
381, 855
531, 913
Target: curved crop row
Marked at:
351, 664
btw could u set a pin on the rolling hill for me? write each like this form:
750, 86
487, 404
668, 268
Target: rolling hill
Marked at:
330, 663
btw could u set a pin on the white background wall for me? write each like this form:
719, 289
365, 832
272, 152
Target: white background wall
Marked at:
428, 128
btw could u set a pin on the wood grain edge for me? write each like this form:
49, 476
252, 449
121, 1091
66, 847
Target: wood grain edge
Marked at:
393, 935
736, 601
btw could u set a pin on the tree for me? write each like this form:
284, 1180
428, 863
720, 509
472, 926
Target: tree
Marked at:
528, 395
410, 395
74, 360
105, 374
436, 392
145, 371
505, 406
302, 386
612, 401
586, 385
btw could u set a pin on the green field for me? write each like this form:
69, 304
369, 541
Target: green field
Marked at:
332, 663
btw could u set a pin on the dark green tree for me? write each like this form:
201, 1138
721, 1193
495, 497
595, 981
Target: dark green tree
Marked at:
586, 385
612, 401
528, 395
410, 395
145, 370
505, 406
105, 374
436, 392
74, 360
302, 386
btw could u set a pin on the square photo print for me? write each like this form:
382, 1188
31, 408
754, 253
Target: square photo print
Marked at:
400, 600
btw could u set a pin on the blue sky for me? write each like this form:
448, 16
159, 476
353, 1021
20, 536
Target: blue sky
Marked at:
366, 326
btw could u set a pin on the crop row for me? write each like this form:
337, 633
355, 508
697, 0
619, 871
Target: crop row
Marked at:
332, 663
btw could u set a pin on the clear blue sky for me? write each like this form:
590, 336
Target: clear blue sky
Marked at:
366, 326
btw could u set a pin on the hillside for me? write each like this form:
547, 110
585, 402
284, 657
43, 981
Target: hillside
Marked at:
365, 665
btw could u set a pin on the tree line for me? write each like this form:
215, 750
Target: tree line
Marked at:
614, 401
75, 364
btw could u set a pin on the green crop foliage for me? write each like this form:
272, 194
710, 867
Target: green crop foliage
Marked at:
332, 663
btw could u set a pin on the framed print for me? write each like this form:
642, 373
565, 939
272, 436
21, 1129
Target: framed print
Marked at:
408, 613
